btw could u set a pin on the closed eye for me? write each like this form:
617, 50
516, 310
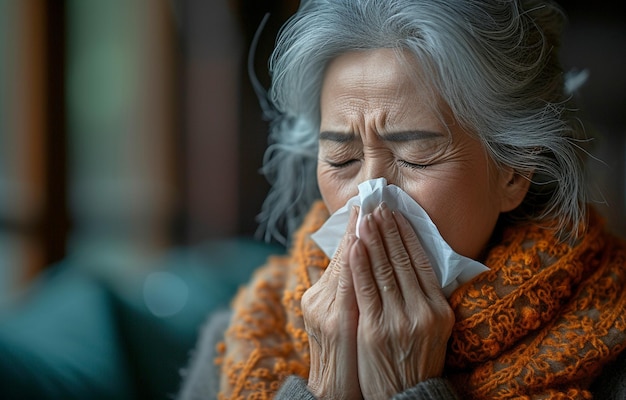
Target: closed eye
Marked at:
411, 165
342, 164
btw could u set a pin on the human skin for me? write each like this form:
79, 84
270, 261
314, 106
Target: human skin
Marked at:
377, 316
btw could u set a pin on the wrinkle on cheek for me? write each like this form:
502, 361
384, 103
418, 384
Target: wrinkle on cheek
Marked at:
335, 192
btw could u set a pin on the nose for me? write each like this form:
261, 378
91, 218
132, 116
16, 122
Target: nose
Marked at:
374, 168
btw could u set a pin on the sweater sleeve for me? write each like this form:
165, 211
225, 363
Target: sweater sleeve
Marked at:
432, 389
200, 380
296, 388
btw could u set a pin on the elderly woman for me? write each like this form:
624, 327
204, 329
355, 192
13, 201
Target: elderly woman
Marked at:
462, 105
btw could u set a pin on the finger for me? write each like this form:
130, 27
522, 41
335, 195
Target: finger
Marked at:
346, 297
354, 214
396, 251
348, 236
365, 286
379, 259
339, 258
428, 282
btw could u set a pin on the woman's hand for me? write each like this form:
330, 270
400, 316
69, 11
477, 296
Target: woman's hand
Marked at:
331, 315
404, 318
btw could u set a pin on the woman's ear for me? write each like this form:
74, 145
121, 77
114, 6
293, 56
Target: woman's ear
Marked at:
513, 188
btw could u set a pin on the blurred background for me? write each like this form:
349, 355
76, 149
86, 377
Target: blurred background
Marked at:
130, 144
127, 126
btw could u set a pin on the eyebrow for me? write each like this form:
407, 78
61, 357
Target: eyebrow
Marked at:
400, 136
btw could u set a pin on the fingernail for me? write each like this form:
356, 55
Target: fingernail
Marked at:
369, 218
384, 210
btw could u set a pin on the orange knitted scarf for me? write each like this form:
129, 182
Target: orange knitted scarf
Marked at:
540, 324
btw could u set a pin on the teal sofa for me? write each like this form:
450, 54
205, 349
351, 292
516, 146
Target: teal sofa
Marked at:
76, 334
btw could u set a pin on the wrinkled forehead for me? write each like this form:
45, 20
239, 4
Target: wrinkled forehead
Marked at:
387, 79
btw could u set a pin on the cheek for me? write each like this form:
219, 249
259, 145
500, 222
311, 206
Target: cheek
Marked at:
462, 208
466, 229
467, 221
335, 192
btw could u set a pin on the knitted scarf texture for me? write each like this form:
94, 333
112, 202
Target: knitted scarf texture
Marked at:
540, 324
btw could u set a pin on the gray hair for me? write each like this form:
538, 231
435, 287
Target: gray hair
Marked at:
494, 62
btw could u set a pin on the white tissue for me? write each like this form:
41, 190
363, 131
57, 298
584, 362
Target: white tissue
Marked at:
452, 269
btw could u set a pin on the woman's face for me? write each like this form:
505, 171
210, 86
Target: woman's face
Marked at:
376, 122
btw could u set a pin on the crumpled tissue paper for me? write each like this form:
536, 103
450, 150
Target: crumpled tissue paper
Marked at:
451, 269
